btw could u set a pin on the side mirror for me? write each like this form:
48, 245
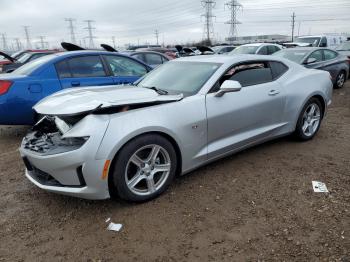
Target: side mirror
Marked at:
228, 86
310, 60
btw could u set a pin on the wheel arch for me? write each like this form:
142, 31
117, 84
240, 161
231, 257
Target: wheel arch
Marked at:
318, 97
160, 133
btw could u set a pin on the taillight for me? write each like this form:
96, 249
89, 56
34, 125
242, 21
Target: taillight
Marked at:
4, 86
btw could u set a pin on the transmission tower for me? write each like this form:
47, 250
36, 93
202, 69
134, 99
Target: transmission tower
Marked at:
91, 36
18, 44
113, 41
156, 33
208, 17
293, 25
42, 42
28, 42
234, 6
4, 42
71, 29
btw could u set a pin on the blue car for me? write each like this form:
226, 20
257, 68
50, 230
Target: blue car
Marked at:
22, 89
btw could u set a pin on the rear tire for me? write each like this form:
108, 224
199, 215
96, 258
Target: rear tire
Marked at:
309, 120
340, 80
144, 168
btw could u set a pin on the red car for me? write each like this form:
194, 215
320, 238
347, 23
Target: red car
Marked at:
10, 63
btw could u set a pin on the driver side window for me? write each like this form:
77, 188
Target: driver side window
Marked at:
317, 55
247, 74
123, 66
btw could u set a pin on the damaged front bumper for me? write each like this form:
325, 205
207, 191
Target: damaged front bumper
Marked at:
66, 163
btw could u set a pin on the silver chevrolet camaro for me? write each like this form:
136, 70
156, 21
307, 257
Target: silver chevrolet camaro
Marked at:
130, 141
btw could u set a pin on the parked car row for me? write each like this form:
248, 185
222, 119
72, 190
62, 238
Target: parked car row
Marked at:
22, 89
109, 123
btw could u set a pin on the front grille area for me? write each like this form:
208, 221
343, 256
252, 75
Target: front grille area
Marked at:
47, 180
43, 178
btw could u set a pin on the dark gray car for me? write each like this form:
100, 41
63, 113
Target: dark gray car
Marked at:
153, 59
320, 58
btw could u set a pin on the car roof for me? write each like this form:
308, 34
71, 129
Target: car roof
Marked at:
146, 52
254, 44
310, 49
227, 59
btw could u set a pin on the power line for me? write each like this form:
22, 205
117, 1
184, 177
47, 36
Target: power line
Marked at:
28, 42
91, 36
71, 29
208, 23
234, 6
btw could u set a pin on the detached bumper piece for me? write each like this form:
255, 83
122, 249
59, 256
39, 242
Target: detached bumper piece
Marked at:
48, 180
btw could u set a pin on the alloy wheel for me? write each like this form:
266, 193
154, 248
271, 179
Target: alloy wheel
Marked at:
311, 119
147, 170
340, 80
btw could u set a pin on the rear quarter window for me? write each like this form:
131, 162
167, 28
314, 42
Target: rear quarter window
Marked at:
277, 69
63, 69
328, 54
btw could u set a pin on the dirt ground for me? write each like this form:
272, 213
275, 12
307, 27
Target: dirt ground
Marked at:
257, 205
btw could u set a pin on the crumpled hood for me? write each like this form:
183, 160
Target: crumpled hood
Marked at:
82, 100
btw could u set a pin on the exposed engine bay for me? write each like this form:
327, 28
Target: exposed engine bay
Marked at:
46, 137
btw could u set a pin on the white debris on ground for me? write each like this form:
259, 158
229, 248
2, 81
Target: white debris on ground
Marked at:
112, 226
319, 187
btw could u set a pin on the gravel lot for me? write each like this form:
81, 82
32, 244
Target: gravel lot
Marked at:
255, 205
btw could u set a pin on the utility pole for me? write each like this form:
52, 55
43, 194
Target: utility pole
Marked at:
18, 44
113, 40
42, 42
71, 29
26, 31
91, 36
293, 25
157, 36
208, 17
234, 6
4, 42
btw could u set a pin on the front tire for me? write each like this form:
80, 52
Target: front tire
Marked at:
309, 120
144, 168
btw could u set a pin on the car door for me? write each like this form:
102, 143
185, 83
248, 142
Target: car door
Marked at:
80, 71
331, 63
318, 64
252, 114
124, 69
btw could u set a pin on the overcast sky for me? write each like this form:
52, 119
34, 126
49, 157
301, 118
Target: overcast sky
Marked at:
133, 21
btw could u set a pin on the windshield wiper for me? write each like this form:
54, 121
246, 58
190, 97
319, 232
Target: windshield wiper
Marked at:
158, 90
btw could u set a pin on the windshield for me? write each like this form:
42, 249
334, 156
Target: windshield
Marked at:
28, 68
244, 50
180, 77
292, 54
344, 47
23, 58
314, 41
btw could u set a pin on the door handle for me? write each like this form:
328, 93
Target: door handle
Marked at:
75, 83
274, 92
